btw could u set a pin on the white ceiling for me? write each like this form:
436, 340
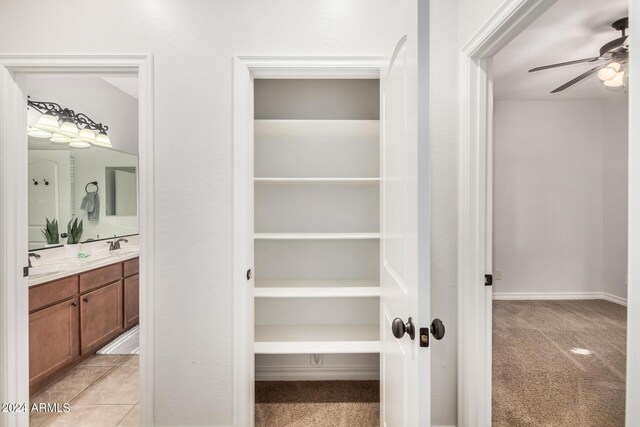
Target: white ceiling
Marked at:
569, 30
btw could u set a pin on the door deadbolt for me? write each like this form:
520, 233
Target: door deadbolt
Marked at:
437, 330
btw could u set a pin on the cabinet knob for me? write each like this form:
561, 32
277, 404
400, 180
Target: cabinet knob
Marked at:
85, 299
74, 304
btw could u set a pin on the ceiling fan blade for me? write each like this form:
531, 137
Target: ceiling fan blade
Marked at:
580, 77
614, 45
562, 64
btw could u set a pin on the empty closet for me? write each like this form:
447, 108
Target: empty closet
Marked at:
316, 211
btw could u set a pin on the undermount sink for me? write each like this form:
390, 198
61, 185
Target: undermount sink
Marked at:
126, 250
53, 267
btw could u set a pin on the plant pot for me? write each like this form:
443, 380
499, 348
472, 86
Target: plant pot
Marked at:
52, 245
71, 251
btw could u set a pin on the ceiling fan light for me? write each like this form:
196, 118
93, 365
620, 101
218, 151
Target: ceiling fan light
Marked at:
60, 139
617, 81
69, 129
615, 65
607, 73
47, 122
39, 133
77, 143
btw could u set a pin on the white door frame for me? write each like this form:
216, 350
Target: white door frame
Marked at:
245, 70
475, 210
14, 297
474, 205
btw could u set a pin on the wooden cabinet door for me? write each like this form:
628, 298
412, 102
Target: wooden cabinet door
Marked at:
131, 300
131, 267
53, 339
100, 316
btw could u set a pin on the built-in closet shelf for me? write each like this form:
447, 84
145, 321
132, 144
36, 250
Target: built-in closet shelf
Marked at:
316, 236
339, 292
322, 339
284, 180
316, 288
314, 127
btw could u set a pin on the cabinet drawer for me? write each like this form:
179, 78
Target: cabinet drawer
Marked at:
102, 276
49, 293
100, 316
131, 267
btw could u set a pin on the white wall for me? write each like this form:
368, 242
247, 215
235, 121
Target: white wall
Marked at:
616, 186
317, 99
559, 205
193, 43
443, 131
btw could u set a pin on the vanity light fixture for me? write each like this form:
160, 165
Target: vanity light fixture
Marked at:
65, 126
38, 133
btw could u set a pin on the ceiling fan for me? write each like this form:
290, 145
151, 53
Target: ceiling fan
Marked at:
616, 55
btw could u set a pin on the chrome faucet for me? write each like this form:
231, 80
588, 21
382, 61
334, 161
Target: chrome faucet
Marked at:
35, 255
114, 245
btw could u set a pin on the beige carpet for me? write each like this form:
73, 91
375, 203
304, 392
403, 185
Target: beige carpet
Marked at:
317, 403
559, 363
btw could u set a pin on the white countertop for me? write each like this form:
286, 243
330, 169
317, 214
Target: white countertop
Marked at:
81, 265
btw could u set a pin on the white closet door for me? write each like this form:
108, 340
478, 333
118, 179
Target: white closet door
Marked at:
405, 379
44, 200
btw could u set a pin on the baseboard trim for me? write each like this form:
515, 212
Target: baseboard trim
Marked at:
317, 373
559, 296
614, 298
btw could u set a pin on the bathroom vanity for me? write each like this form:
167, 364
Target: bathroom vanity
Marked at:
72, 317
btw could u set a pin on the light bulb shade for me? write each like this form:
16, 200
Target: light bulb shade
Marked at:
47, 122
103, 140
60, 139
77, 143
615, 65
39, 133
617, 81
87, 135
607, 73
69, 129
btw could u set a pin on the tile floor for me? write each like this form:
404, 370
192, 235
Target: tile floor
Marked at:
101, 391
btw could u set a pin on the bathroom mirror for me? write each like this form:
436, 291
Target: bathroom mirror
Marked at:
63, 179
121, 191
89, 170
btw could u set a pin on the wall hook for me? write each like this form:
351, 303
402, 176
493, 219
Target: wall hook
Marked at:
34, 181
45, 181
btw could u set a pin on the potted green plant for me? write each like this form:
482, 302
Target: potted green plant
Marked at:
50, 233
74, 234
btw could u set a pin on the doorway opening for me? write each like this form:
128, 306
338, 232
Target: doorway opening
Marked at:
503, 222
316, 211
84, 242
559, 204
367, 203
78, 291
